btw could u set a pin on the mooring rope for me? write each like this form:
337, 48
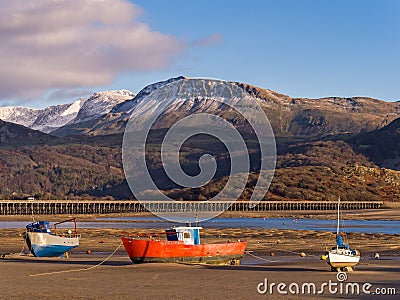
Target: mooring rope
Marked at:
82, 269
299, 253
258, 257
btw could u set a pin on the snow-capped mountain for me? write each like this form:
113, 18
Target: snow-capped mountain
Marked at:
115, 120
183, 97
19, 115
108, 112
287, 115
127, 106
46, 119
101, 103
53, 117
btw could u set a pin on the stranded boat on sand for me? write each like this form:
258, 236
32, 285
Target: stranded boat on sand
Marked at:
341, 256
181, 244
42, 242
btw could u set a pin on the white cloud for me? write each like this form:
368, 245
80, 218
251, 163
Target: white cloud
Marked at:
215, 38
57, 44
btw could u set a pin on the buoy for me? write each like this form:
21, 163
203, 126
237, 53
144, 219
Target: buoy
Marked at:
272, 254
89, 251
302, 254
323, 257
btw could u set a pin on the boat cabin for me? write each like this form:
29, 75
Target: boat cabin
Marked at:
344, 247
40, 226
188, 235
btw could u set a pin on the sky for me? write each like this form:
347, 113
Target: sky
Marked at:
54, 52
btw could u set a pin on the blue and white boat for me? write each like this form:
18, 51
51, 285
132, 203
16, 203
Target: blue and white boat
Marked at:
42, 242
341, 256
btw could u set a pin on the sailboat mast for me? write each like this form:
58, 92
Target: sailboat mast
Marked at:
338, 207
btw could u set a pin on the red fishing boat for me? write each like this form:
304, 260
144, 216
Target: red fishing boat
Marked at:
181, 244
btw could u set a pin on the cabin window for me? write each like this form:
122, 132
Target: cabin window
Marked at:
186, 235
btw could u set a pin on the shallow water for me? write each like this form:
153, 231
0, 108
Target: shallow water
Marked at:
360, 226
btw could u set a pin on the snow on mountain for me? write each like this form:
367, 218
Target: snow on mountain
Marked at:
129, 105
74, 108
19, 115
56, 116
108, 112
101, 103
53, 117
110, 121
184, 96
44, 120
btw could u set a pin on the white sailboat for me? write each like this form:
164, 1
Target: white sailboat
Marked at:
341, 256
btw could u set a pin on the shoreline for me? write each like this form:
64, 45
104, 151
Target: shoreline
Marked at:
367, 214
260, 241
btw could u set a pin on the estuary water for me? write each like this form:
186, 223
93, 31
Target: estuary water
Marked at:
126, 223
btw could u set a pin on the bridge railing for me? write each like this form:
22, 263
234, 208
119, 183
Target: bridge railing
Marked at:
11, 207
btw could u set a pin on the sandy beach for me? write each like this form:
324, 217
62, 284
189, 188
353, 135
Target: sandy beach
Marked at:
273, 254
57, 278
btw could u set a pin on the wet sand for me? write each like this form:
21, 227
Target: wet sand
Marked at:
25, 278
118, 278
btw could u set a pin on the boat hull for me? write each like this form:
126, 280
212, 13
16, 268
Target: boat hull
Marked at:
48, 245
341, 261
143, 250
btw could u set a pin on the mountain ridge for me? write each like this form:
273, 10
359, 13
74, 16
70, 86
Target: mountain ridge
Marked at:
288, 116
53, 117
108, 112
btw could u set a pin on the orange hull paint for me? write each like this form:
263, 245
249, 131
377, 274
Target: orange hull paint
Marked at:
148, 250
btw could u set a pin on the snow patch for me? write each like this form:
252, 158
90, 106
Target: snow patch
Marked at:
54, 117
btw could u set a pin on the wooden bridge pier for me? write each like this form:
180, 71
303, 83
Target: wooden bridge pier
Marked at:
10, 207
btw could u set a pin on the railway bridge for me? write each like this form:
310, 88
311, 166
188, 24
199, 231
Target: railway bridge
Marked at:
28, 207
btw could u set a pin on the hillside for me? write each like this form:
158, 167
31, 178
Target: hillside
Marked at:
324, 116
13, 135
325, 147
68, 169
92, 168
382, 146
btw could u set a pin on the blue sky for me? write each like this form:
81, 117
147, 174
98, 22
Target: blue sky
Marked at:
300, 48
